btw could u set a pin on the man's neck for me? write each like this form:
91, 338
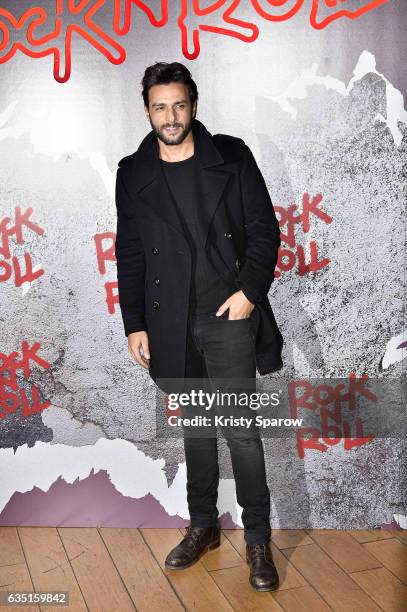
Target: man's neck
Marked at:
175, 153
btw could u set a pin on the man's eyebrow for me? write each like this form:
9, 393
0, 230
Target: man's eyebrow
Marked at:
162, 103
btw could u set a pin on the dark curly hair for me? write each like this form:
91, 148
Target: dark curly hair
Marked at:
162, 73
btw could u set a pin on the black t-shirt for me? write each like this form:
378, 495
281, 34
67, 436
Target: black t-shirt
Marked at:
208, 289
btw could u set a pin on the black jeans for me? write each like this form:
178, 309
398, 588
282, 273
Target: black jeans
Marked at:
225, 349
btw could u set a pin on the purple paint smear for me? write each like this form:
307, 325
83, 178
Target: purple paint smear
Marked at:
92, 502
393, 525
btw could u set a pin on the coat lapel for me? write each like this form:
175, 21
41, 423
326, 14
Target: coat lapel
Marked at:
149, 182
212, 177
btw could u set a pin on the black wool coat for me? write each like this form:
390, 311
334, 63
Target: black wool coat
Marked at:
238, 227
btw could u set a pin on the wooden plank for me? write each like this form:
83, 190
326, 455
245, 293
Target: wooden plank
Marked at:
234, 583
400, 534
49, 565
123, 569
392, 554
95, 572
14, 574
336, 588
194, 585
344, 549
370, 535
288, 538
146, 583
303, 599
221, 558
288, 575
382, 586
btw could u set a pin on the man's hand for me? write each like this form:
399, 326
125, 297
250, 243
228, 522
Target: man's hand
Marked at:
239, 306
137, 341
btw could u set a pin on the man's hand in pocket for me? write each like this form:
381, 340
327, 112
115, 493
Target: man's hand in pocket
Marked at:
239, 306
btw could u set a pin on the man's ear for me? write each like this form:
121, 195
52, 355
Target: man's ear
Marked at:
146, 112
194, 109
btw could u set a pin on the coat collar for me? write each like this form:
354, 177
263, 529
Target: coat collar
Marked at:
148, 180
148, 152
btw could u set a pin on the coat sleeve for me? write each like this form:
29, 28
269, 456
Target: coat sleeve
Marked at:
263, 232
130, 261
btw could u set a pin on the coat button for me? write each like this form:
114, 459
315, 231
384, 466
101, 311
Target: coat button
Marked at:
156, 304
237, 264
228, 234
156, 281
155, 251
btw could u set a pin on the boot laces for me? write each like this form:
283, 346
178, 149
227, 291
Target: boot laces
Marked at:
192, 535
258, 550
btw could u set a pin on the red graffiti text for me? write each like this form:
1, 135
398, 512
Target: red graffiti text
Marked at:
13, 396
10, 266
105, 252
50, 27
328, 400
293, 254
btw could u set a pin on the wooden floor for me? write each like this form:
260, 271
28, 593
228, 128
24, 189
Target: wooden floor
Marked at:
122, 569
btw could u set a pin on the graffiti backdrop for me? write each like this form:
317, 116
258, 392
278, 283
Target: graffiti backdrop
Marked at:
315, 88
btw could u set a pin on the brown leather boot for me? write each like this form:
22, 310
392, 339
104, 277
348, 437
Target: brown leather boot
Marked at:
196, 542
263, 572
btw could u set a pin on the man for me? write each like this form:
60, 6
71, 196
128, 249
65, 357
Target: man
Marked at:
196, 247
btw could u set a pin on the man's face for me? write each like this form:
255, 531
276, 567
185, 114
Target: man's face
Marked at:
170, 112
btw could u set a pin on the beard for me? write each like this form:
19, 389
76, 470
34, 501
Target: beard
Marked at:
172, 140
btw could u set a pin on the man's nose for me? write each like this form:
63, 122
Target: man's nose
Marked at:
171, 115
